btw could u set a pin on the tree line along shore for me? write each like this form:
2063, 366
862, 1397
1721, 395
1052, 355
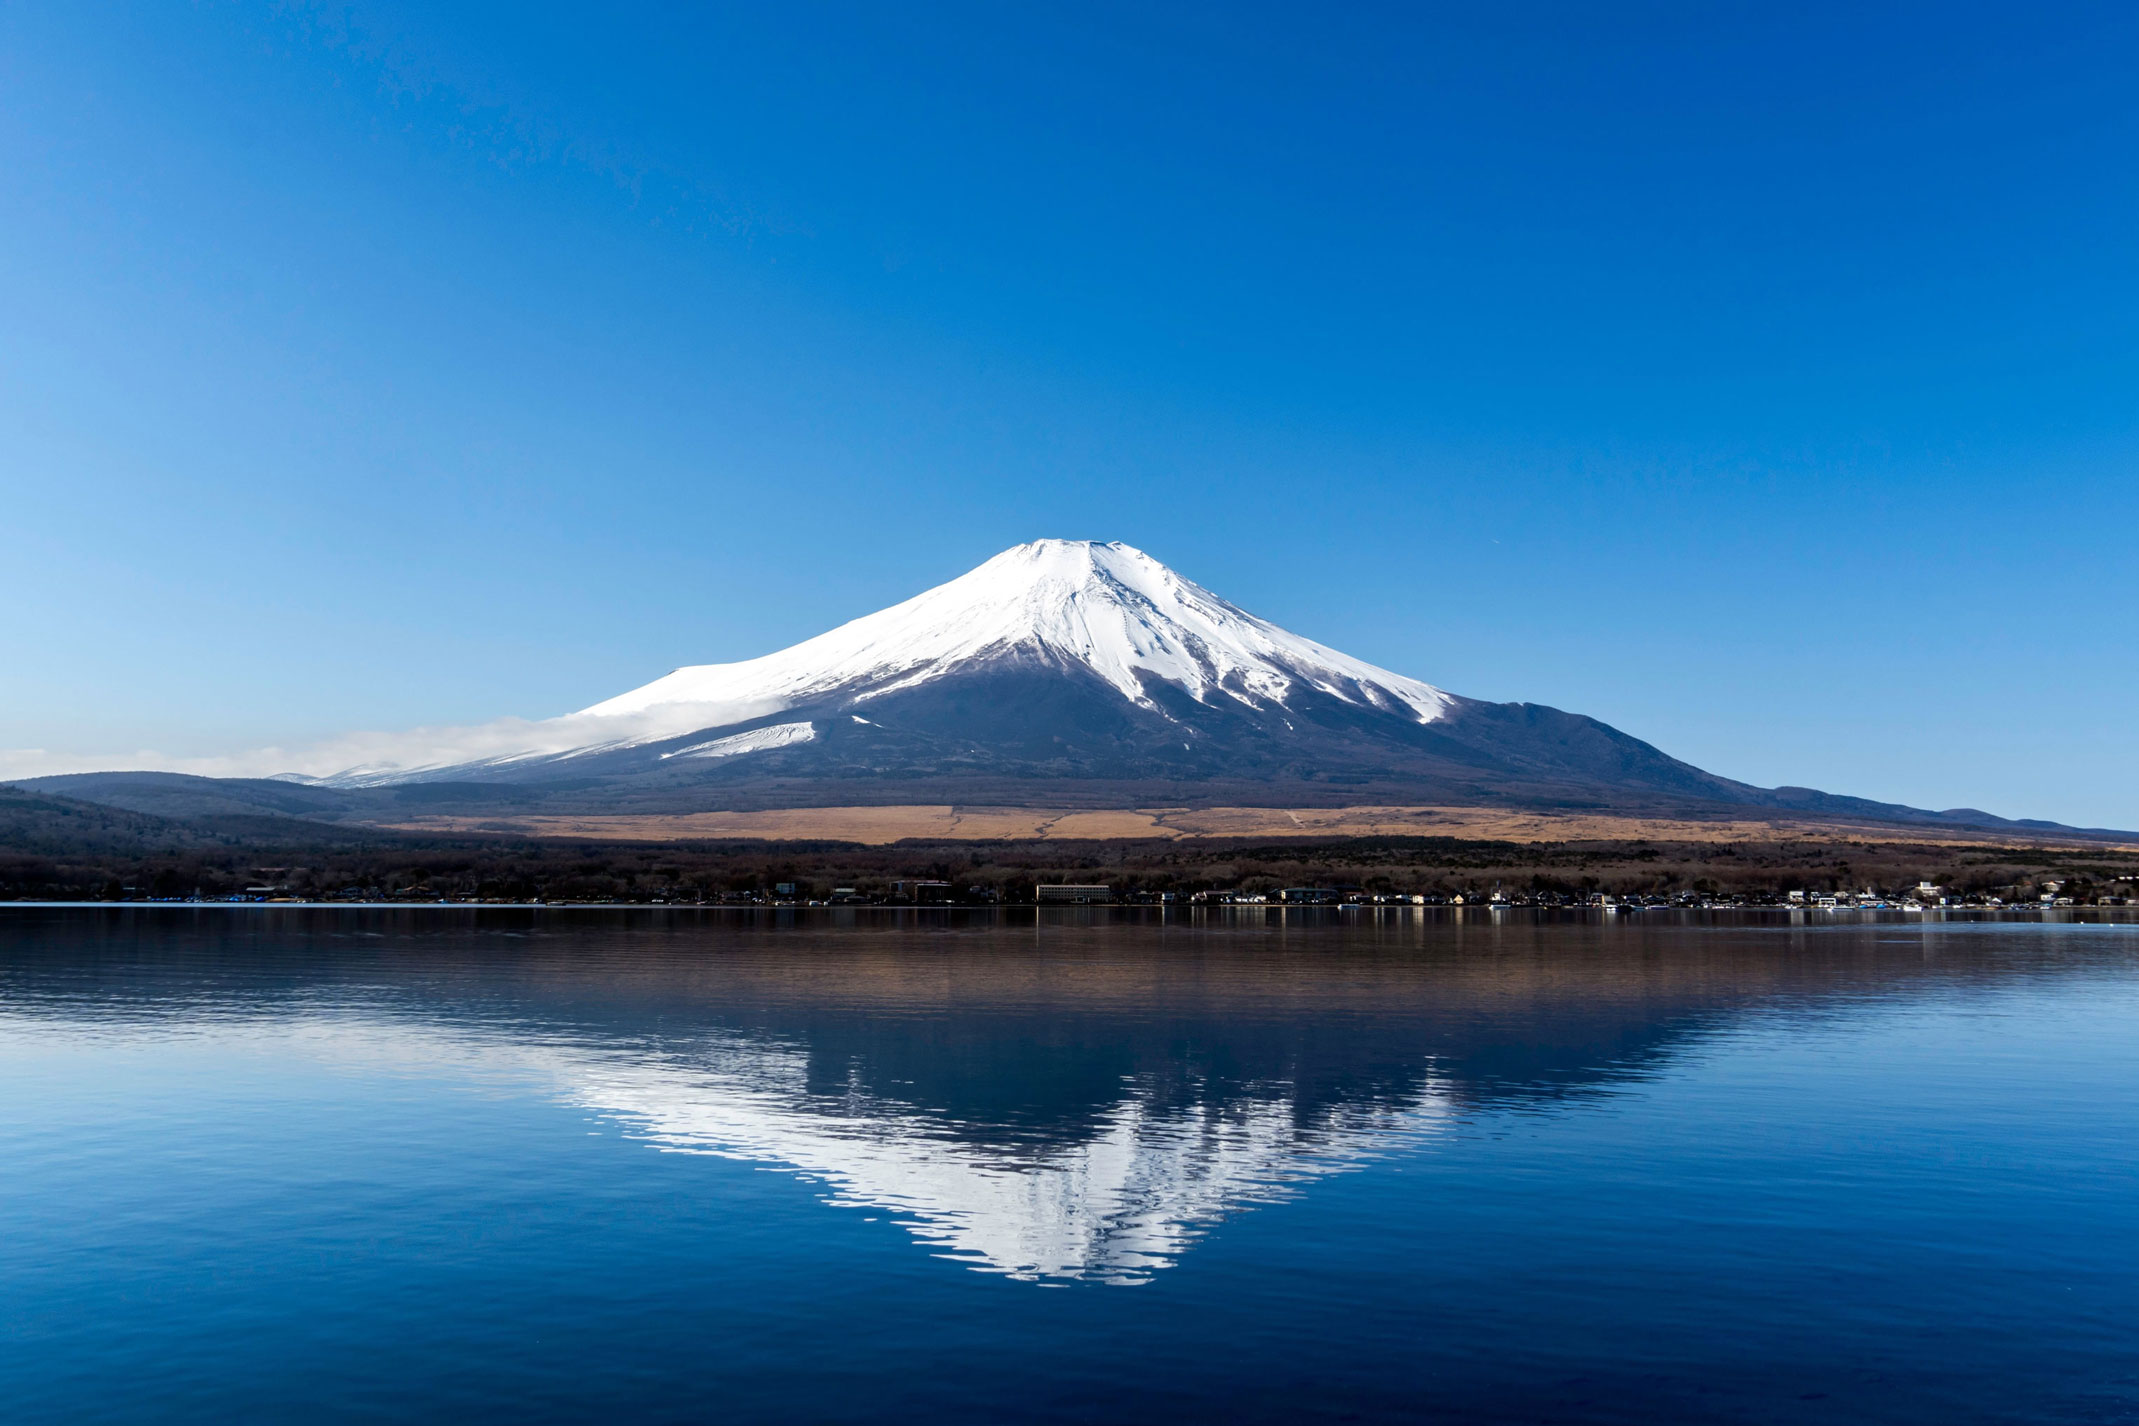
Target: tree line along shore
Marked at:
106, 855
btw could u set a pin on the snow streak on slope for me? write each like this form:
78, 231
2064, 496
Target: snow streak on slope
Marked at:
1113, 609
757, 740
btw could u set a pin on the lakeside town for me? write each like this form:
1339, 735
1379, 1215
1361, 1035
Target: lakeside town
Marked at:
1924, 896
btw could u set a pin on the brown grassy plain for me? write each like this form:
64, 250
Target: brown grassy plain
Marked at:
885, 826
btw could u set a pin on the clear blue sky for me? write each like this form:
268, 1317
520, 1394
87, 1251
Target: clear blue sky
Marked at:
1762, 380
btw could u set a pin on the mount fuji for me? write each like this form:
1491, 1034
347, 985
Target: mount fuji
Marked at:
1064, 673
1063, 670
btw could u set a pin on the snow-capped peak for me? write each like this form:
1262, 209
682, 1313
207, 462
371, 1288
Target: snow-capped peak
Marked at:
1113, 609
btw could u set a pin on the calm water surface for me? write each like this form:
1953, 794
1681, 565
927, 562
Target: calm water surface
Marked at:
317, 1165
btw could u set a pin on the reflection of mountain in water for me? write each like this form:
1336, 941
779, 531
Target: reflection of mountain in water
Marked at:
1125, 1197
1052, 1100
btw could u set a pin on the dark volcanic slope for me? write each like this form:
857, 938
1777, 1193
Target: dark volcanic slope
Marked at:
1057, 736
1034, 735
1029, 733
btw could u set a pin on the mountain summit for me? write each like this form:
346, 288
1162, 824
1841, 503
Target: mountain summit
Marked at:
1105, 610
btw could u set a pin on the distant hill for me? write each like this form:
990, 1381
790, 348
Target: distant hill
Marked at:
38, 824
179, 795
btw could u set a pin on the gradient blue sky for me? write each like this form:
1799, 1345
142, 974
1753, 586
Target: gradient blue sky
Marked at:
1762, 380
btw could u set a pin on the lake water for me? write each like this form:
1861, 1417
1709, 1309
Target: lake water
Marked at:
262, 1164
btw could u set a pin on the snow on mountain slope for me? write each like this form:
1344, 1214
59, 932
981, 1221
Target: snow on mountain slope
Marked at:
1113, 609
757, 740
1067, 605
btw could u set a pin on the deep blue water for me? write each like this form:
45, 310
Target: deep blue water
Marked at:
294, 1165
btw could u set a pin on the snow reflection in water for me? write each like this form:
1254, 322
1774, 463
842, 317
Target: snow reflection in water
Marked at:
1116, 1205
